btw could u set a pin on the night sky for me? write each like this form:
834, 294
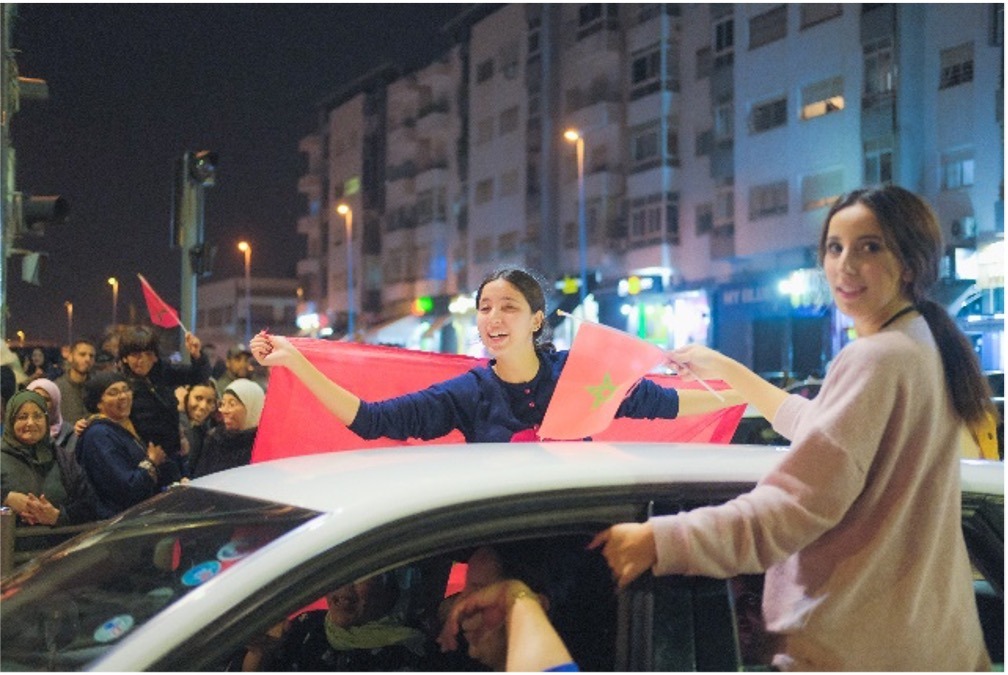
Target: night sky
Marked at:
132, 87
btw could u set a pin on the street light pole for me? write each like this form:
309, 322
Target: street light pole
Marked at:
245, 248
576, 137
69, 309
347, 214
114, 283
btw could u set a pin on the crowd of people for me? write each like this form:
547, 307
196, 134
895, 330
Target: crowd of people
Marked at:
115, 423
874, 457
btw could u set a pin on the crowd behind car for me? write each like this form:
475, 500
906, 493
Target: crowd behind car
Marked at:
101, 425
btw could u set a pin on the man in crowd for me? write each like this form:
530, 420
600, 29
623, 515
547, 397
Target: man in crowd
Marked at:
238, 364
71, 382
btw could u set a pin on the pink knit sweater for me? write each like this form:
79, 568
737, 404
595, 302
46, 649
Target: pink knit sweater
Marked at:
858, 528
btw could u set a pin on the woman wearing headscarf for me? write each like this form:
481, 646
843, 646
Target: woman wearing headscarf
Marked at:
230, 445
41, 483
122, 469
60, 431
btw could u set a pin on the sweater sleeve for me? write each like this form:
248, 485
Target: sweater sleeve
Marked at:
808, 493
649, 400
109, 463
426, 414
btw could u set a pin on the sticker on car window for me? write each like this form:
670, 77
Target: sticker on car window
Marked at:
114, 628
201, 573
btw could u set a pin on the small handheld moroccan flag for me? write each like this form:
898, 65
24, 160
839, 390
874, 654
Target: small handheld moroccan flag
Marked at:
161, 313
602, 367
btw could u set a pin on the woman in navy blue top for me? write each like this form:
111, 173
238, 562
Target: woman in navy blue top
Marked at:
504, 400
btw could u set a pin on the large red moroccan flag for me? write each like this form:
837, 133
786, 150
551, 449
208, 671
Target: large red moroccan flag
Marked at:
161, 313
294, 422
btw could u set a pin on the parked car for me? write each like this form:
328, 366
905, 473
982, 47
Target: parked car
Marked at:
185, 580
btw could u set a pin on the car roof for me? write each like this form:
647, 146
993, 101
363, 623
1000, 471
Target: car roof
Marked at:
437, 475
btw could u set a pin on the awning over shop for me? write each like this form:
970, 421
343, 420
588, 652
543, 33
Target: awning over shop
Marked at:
399, 331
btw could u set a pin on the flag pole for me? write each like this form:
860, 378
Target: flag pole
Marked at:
706, 386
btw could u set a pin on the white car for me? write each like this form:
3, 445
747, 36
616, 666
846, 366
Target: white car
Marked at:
185, 580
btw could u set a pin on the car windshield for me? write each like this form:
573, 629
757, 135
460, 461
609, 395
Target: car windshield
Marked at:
99, 586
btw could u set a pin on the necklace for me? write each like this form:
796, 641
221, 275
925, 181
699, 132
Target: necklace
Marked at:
905, 310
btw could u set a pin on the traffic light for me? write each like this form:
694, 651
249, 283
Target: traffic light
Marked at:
203, 167
33, 213
201, 259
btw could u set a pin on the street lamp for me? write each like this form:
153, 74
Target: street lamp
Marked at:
577, 138
69, 309
114, 283
345, 211
245, 248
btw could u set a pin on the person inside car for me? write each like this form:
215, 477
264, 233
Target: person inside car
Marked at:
504, 400
359, 631
859, 526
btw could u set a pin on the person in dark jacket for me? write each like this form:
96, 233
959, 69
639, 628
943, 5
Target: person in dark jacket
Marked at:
40, 482
122, 468
230, 444
155, 413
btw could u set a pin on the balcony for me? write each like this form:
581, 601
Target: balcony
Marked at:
310, 185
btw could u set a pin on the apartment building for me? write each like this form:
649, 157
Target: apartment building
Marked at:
714, 138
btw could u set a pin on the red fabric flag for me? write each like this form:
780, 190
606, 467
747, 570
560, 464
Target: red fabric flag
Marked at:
294, 422
161, 313
603, 365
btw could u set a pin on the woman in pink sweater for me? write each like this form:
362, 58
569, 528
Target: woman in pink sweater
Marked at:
858, 528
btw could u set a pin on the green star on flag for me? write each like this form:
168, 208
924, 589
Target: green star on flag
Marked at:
602, 392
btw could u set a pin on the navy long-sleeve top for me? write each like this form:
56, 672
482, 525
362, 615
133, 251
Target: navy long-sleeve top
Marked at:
111, 456
487, 409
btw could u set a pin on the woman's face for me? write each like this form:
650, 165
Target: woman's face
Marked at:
38, 357
30, 423
232, 412
505, 319
116, 402
201, 403
48, 401
864, 274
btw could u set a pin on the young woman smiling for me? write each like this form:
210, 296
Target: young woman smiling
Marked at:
504, 400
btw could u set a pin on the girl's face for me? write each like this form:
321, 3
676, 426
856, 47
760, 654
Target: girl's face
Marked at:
232, 412
38, 357
200, 403
864, 274
30, 423
505, 319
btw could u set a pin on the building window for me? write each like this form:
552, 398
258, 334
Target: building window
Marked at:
879, 70
768, 200
724, 36
645, 72
509, 120
768, 115
483, 249
704, 143
768, 27
956, 66
509, 183
594, 17
724, 120
878, 163
704, 63
821, 189
813, 13
509, 60
484, 130
957, 169
484, 191
997, 24
645, 147
724, 206
822, 98
704, 218
646, 219
484, 71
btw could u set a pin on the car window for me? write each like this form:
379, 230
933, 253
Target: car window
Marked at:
582, 605
125, 572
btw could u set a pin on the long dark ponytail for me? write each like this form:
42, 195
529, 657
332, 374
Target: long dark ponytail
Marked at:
912, 232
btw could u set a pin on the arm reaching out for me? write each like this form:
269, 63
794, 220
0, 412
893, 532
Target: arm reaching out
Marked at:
698, 361
275, 350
